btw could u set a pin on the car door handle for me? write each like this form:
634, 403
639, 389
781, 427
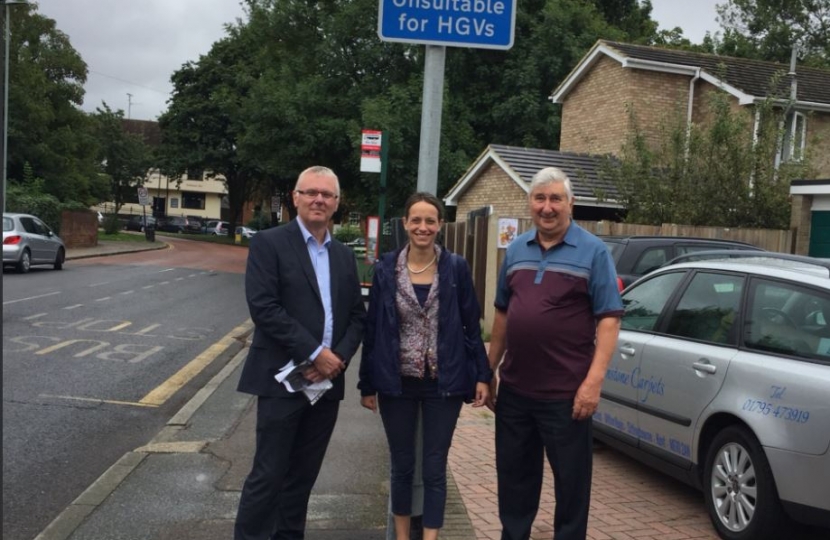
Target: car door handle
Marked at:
705, 366
627, 350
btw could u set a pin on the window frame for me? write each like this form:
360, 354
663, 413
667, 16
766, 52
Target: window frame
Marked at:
754, 282
187, 196
794, 137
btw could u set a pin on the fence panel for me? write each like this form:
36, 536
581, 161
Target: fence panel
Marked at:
478, 262
782, 241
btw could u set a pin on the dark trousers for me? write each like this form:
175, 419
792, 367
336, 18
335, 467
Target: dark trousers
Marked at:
525, 429
400, 420
291, 441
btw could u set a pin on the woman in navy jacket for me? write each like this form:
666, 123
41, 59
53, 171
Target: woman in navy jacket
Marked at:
422, 351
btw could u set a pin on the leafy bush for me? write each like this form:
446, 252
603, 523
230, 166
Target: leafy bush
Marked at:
111, 224
30, 197
259, 222
347, 233
47, 207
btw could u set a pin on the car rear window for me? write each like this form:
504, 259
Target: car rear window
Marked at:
616, 250
8, 224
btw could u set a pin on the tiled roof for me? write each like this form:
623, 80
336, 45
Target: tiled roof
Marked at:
752, 77
582, 169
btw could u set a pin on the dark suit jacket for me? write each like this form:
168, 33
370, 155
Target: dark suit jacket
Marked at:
286, 307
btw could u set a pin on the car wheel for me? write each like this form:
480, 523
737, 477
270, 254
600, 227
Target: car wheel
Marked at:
739, 488
59, 259
25, 262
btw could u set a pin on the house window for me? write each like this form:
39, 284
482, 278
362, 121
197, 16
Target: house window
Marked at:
194, 201
795, 137
174, 202
354, 218
194, 175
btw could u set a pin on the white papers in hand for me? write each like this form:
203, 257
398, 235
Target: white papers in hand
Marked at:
291, 376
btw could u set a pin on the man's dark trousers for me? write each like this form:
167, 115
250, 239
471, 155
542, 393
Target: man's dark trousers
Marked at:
525, 430
292, 437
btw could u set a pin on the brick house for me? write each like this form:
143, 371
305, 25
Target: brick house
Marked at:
499, 181
615, 78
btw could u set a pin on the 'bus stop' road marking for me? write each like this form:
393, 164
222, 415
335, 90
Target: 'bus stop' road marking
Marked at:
165, 390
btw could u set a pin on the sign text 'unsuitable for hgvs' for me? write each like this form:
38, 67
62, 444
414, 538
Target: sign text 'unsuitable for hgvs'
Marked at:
485, 24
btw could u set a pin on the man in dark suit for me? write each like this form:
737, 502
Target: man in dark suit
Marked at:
304, 297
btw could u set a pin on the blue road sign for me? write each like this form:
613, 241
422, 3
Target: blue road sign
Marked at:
482, 24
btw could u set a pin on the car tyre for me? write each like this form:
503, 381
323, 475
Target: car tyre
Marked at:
25, 262
59, 259
739, 489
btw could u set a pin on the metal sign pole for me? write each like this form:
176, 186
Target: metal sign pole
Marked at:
433, 102
384, 162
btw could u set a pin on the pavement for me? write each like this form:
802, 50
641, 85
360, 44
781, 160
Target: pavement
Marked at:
186, 482
113, 247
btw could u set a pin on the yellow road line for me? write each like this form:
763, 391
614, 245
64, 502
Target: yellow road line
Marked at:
96, 400
169, 387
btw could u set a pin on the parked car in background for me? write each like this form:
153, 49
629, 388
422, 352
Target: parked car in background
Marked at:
139, 223
358, 245
28, 241
721, 378
194, 225
245, 232
216, 228
179, 224
636, 256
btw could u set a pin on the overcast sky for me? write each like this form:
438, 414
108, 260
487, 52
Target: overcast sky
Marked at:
133, 47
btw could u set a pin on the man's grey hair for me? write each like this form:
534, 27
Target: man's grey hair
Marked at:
551, 175
322, 171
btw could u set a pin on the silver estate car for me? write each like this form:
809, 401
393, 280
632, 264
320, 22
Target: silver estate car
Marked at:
28, 241
721, 378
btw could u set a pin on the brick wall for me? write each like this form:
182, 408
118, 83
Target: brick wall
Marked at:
79, 228
702, 112
595, 115
495, 188
801, 220
818, 143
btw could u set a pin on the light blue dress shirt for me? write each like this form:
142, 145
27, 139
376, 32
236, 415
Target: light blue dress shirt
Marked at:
320, 261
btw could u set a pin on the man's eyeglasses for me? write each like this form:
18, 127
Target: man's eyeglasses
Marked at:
312, 194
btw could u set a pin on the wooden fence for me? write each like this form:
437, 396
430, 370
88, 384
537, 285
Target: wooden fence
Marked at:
470, 240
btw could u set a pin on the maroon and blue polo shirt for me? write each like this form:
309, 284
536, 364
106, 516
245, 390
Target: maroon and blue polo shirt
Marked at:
553, 299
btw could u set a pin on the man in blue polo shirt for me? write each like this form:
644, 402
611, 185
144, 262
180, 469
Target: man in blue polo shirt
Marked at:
556, 325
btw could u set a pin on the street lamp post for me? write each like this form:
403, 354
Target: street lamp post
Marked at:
5, 111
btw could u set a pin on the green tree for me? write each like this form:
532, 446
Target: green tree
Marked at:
768, 29
322, 69
124, 157
47, 130
295, 84
713, 175
205, 123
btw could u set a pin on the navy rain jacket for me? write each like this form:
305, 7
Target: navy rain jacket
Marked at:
462, 360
